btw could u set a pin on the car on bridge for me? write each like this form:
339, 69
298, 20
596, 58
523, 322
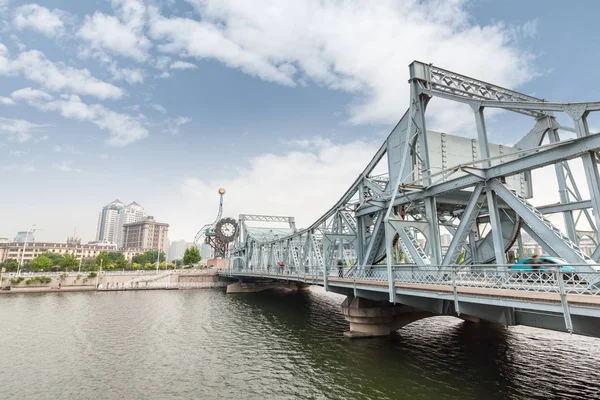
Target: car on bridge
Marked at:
545, 264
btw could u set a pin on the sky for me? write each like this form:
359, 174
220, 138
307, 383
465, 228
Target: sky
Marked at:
163, 102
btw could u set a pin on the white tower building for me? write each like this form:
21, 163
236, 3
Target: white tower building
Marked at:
108, 222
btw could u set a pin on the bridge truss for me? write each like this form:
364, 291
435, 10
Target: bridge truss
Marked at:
481, 200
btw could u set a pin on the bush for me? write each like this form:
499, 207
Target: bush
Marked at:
40, 279
92, 275
16, 281
78, 277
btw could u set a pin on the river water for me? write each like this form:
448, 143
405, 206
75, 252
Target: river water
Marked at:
203, 344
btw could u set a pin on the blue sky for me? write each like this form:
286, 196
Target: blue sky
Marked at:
281, 103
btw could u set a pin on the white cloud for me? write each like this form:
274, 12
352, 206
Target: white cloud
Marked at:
356, 47
30, 95
17, 153
28, 167
123, 128
121, 34
159, 108
6, 101
130, 75
57, 148
175, 124
106, 32
281, 184
36, 67
65, 166
17, 130
41, 19
164, 75
183, 65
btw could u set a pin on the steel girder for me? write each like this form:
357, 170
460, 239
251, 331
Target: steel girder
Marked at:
366, 218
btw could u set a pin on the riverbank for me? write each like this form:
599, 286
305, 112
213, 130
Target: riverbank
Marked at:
110, 281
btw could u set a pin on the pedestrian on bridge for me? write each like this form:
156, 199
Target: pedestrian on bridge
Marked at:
281, 266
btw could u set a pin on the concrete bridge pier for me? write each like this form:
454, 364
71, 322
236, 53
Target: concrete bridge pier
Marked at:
259, 286
369, 318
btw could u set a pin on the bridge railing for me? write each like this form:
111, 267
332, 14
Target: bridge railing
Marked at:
543, 278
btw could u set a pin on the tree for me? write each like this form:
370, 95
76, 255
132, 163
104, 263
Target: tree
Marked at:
10, 264
191, 256
178, 262
55, 258
118, 259
68, 261
103, 261
41, 263
149, 257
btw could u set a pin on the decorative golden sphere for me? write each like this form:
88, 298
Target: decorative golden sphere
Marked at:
221, 191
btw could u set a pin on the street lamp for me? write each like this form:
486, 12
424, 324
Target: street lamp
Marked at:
30, 231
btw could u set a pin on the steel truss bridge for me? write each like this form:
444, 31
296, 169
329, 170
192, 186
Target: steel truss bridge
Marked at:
386, 228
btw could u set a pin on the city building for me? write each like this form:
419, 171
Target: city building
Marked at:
23, 237
177, 249
131, 213
112, 218
146, 235
14, 250
108, 222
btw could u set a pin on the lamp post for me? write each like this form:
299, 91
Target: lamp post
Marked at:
24, 247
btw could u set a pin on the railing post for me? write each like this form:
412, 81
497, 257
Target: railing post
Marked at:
454, 291
563, 300
325, 272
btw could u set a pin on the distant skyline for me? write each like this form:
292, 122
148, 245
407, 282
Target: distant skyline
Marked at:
281, 103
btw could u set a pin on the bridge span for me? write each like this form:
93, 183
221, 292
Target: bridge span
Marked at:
421, 183
550, 300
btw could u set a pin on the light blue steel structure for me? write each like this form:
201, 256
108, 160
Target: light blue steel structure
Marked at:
481, 201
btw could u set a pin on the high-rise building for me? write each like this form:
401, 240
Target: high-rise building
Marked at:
146, 235
24, 237
177, 249
132, 212
108, 222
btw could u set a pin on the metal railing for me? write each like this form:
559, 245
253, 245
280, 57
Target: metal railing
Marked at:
542, 278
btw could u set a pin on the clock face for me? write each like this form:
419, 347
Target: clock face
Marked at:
226, 230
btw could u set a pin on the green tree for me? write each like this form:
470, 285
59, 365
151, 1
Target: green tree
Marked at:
178, 262
191, 256
103, 261
40, 263
88, 264
55, 258
69, 261
149, 257
118, 259
10, 264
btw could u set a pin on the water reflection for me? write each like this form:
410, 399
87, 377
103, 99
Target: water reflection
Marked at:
271, 345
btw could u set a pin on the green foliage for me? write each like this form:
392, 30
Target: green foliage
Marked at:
88, 264
148, 257
78, 277
191, 256
69, 261
40, 279
41, 263
461, 257
92, 275
16, 281
10, 264
178, 262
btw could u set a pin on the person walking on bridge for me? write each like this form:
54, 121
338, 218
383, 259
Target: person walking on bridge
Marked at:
340, 266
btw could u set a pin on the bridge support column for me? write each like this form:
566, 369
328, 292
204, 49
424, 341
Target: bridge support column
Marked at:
370, 318
253, 287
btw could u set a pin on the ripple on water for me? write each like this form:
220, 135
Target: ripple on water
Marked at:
271, 345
